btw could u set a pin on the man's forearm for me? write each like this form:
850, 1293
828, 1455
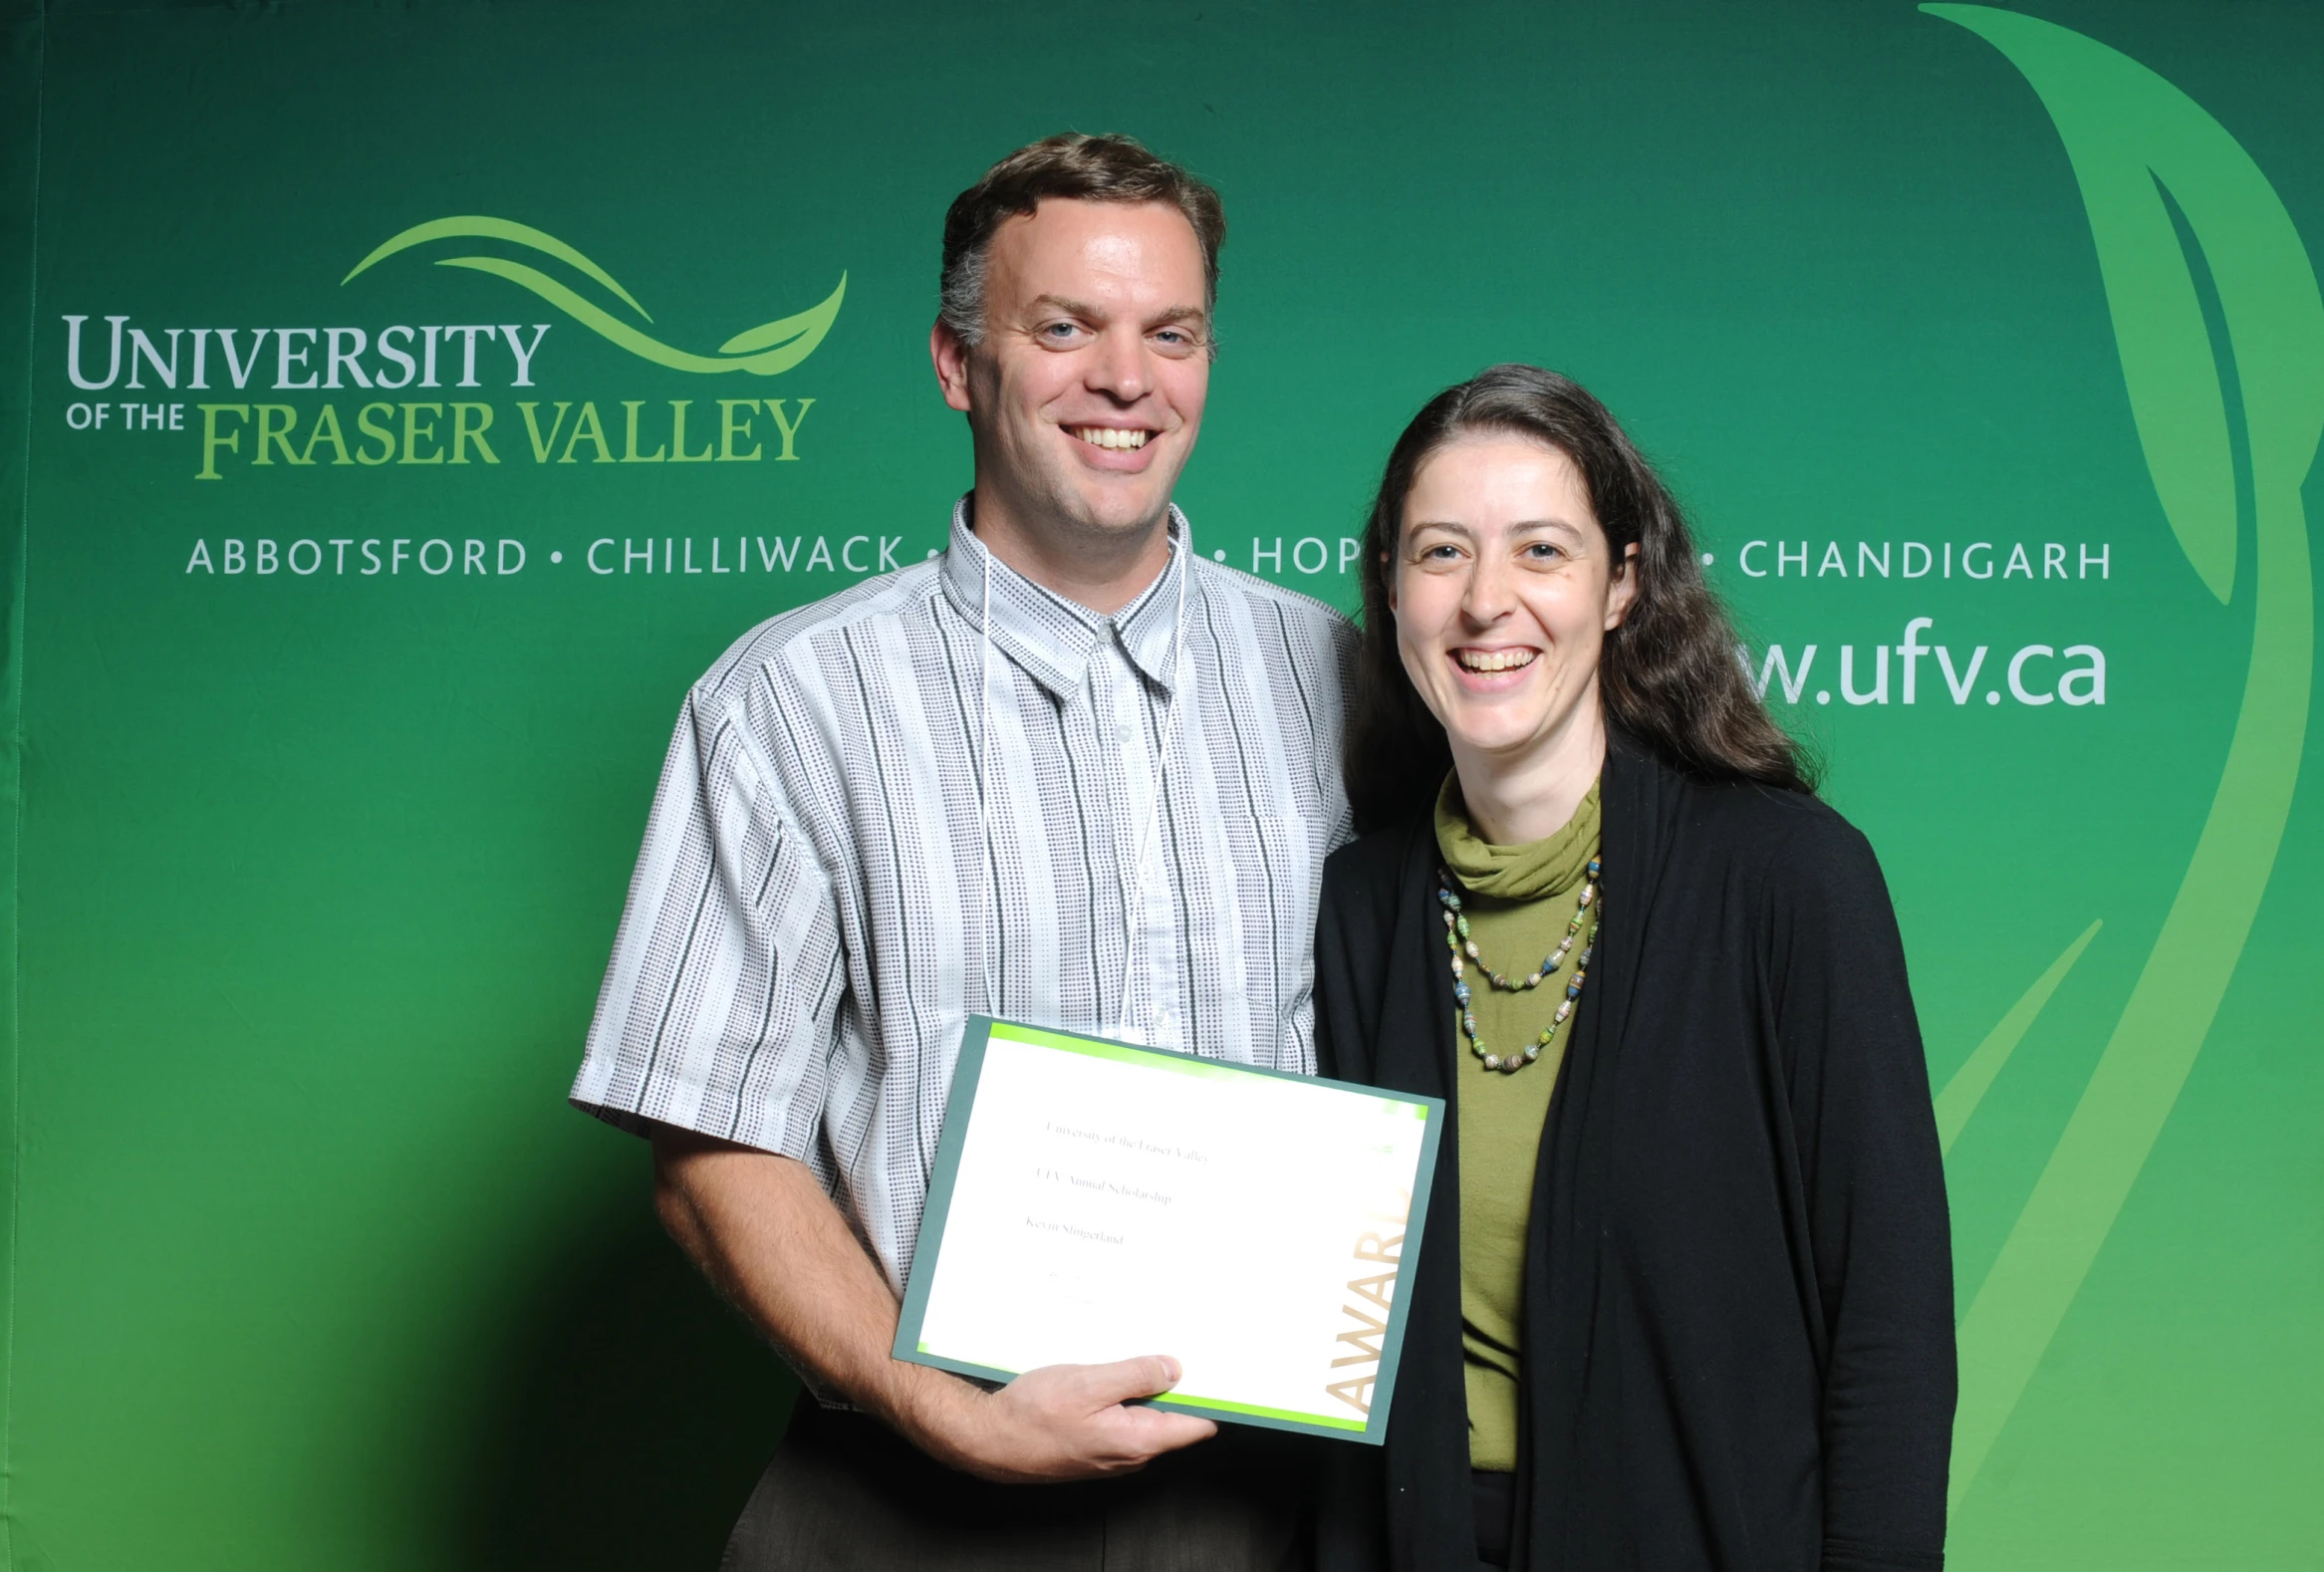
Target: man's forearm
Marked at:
763, 1231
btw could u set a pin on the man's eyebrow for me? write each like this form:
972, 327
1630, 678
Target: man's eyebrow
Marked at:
1071, 308
1082, 308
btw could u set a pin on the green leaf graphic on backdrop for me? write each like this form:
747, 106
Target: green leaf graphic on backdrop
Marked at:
765, 350
2127, 131
1974, 1078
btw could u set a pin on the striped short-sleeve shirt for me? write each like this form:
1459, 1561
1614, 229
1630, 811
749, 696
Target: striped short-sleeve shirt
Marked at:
815, 913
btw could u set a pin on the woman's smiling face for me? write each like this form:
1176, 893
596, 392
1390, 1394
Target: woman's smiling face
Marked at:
1504, 587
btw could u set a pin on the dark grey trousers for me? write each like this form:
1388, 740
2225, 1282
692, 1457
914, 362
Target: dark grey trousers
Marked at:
845, 1493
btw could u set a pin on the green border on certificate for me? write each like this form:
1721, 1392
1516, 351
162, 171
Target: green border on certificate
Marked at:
1366, 1417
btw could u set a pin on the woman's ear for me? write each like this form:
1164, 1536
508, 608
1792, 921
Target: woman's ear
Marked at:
1387, 577
1621, 588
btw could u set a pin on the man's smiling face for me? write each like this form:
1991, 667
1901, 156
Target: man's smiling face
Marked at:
1086, 393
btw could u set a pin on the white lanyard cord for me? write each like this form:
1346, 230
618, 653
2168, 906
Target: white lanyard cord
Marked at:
1186, 554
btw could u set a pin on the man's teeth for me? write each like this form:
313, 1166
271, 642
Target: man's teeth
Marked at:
1493, 659
1110, 436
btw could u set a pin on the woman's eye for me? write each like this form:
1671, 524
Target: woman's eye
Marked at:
1543, 551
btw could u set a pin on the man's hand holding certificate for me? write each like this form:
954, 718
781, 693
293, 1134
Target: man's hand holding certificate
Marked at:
1095, 1202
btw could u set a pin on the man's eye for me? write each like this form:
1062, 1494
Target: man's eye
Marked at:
1060, 330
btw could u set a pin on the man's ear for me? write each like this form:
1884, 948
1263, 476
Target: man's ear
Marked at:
1622, 593
951, 357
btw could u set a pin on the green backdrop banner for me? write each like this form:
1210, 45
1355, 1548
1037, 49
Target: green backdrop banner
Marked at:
415, 397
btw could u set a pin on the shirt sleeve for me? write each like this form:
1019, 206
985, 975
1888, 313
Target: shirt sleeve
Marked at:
719, 1008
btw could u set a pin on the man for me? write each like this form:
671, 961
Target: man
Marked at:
1008, 782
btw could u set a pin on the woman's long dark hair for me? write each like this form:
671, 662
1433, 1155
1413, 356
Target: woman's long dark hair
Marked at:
1670, 677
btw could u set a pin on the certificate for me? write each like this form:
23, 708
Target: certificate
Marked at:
1095, 1202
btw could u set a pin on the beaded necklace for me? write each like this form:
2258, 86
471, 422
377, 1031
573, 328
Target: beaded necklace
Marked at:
1456, 940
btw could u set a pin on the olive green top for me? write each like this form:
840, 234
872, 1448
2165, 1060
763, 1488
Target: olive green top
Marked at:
1518, 901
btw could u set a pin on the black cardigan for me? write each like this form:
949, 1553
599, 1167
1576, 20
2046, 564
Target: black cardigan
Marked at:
1738, 1280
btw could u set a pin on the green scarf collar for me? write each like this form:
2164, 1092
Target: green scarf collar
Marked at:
1529, 871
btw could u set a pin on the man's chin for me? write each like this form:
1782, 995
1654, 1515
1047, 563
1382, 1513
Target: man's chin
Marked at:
1117, 516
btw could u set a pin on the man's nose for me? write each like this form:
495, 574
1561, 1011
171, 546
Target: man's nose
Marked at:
1118, 367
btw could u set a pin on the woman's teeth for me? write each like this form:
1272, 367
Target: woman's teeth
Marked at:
1492, 659
1109, 436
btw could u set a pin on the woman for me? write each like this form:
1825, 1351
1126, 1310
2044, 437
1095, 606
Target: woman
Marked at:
1683, 1299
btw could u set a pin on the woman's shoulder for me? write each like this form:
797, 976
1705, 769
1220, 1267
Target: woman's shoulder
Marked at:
1793, 839
1373, 866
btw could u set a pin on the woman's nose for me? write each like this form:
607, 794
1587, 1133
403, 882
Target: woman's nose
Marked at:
1488, 595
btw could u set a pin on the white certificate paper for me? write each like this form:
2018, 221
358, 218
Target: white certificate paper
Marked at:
1094, 1201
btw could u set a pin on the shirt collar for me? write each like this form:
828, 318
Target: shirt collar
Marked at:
1053, 637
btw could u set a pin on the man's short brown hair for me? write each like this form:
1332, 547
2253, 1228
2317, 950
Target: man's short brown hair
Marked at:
1072, 165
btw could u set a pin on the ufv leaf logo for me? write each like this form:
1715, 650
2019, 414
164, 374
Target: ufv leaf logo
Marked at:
2131, 136
764, 351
